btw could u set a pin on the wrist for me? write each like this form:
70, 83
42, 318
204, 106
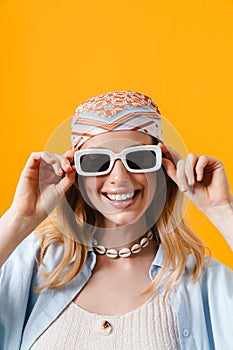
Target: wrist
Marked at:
217, 213
13, 230
19, 222
221, 216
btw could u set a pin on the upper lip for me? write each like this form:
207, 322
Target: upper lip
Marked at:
126, 191
117, 195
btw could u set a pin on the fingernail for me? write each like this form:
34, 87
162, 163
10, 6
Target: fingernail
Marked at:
190, 181
182, 187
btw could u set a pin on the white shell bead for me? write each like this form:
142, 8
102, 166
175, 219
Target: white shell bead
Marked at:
100, 249
136, 248
112, 253
124, 252
150, 235
144, 242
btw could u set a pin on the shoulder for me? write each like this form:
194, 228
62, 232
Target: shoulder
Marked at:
25, 252
19, 267
215, 276
204, 306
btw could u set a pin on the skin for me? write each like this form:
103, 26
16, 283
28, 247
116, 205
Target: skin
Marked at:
125, 219
119, 180
202, 178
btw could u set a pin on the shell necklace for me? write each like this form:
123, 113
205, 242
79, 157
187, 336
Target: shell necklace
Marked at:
124, 252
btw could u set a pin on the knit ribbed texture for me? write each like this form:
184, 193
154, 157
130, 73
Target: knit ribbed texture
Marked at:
151, 326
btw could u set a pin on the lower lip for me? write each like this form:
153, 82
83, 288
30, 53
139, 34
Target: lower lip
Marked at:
122, 204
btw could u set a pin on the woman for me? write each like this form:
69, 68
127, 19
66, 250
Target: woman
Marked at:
118, 268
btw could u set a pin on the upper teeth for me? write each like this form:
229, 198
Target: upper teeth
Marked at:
120, 197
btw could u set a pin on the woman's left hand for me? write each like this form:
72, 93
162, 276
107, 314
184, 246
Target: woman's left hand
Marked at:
203, 179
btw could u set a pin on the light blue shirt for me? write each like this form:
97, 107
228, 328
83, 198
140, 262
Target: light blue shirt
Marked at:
204, 309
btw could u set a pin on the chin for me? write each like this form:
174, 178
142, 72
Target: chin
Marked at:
121, 219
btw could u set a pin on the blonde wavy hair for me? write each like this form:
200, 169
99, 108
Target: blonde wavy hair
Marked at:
78, 221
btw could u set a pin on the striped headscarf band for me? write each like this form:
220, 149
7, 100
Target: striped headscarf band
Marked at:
115, 111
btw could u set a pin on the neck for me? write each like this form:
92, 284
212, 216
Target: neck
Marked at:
119, 236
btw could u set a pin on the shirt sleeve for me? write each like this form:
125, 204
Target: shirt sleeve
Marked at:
217, 294
15, 282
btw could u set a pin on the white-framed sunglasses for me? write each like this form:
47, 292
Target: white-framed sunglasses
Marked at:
99, 161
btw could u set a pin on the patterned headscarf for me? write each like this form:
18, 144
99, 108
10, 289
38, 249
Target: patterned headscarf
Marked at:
115, 111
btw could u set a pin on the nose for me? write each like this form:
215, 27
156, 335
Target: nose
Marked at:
118, 172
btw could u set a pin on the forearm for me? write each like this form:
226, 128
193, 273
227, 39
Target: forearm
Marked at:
13, 230
222, 218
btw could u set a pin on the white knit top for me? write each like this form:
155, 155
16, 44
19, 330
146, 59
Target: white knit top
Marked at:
151, 326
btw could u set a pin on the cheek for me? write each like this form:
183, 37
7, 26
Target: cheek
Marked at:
149, 183
89, 188
92, 185
158, 200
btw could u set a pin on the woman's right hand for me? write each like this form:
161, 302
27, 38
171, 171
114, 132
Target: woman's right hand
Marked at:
42, 184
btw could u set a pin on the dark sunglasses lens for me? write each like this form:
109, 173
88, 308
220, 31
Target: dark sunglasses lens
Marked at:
95, 163
144, 159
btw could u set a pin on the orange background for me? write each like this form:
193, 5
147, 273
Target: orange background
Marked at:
55, 54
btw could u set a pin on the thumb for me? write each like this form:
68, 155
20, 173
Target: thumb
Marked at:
67, 181
170, 169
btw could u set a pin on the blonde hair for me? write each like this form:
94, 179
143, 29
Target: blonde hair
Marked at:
75, 217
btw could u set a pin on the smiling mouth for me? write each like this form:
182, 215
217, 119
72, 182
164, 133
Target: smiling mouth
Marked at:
123, 197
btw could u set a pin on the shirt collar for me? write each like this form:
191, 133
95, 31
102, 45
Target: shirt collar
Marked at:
159, 258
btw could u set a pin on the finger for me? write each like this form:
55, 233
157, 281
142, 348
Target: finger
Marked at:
70, 154
170, 169
65, 164
200, 166
170, 153
190, 164
67, 181
181, 176
54, 161
164, 150
67, 158
34, 159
